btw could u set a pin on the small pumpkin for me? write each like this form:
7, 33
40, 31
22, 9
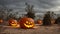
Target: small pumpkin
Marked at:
14, 23
26, 22
1, 20
39, 21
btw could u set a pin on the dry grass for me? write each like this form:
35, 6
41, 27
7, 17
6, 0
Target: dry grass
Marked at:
54, 29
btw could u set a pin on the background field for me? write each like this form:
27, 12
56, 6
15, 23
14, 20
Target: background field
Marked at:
54, 29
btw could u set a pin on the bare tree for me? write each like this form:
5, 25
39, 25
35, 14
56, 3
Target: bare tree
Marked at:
29, 10
47, 19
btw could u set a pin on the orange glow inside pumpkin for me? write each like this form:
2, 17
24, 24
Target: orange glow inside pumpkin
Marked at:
28, 24
14, 24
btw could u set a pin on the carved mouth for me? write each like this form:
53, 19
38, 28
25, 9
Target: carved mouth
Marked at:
28, 25
13, 24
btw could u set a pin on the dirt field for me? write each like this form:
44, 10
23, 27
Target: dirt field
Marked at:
54, 29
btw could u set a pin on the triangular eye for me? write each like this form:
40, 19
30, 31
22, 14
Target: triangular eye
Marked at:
26, 21
12, 22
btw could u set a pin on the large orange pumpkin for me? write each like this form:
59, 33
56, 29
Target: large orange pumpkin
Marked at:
26, 23
39, 21
14, 23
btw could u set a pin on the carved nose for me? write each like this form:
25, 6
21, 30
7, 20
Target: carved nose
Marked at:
29, 23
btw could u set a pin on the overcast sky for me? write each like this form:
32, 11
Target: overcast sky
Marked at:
40, 5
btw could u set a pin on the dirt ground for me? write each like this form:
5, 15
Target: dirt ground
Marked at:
54, 29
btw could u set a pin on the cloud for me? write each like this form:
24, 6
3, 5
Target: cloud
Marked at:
40, 5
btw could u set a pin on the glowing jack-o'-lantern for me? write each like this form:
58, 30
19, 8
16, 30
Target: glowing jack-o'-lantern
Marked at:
14, 23
26, 22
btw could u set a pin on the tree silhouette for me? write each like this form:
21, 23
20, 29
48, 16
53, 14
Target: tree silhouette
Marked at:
57, 20
47, 19
29, 10
53, 15
11, 15
4, 13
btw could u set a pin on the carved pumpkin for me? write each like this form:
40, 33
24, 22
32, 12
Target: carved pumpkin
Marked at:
26, 22
1, 20
39, 22
14, 23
